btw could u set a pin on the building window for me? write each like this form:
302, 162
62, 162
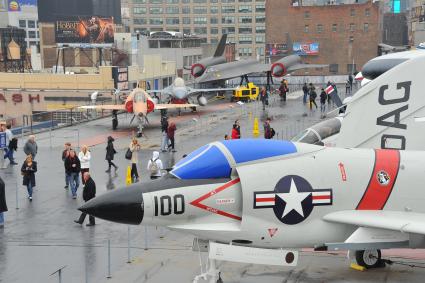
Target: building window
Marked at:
260, 19
352, 12
214, 10
367, 12
172, 10
214, 30
307, 15
228, 20
228, 30
186, 21
351, 39
31, 24
333, 68
245, 39
245, 19
140, 21
185, 1
306, 28
200, 20
228, 9
199, 1
260, 8
22, 23
187, 30
319, 28
200, 10
155, 1
155, 10
139, 1
260, 29
199, 30
156, 21
245, 9
185, 10
31, 34
139, 10
351, 68
365, 27
245, 30
334, 27
213, 20
172, 21
352, 27
260, 39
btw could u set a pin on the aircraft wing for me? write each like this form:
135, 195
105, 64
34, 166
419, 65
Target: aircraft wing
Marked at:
304, 66
400, 221
104, 107
195, 90
174, 106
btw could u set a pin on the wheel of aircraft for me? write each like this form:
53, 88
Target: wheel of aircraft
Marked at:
369, 258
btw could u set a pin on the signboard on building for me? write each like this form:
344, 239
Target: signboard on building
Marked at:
85, 31
120, 75
305, 49
15, 5
277, 49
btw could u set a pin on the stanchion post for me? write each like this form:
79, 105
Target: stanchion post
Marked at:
128, 245
146, 238
17, 199
109, 259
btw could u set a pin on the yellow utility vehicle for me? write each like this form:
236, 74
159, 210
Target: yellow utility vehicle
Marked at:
246, 93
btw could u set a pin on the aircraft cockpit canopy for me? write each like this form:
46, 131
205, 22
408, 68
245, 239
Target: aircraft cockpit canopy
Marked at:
319, 132
218, 159
139, 96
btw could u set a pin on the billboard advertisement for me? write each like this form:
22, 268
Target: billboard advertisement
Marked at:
120, 75
15, 5
277, 49
305, 49
85, 31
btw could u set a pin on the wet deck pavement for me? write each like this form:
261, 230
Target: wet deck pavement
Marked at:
40, 237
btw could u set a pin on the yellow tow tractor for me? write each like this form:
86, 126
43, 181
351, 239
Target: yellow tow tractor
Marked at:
246, 93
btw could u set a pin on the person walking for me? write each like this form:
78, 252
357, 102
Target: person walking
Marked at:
171, 133
84, 156
323, 97
65, 154
28, 169
335, 92
155, 166
305, 91
110, 152
134, 148
264, 97
268, 130
31, 147
89, 192
73, 168
313, 96
236, 131
350, 81
12, 145
164, 129
347, 88
283, 90
3, 205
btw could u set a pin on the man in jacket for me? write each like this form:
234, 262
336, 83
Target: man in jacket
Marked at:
283, 89
264, 97
305, 91
65, 154
11, 146
3, 206
73, 167
164, 130
31, 147
89, 192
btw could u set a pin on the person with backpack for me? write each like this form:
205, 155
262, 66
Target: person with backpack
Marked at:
134, 148
110, 152
323, 97
268, 130
155, 166
305, 91
313, 96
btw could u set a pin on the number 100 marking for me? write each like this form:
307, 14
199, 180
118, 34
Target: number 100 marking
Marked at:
166, 206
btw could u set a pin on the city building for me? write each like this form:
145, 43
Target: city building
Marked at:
22, 14
345, 36
417, 22
243, 20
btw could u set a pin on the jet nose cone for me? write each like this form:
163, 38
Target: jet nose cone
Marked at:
180, 94
122, 206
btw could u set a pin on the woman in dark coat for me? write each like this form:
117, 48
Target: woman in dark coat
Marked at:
110, 152
28, 170
3, 206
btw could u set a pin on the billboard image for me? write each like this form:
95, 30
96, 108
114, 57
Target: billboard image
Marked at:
305, 49
85, 31
15, 5
277, 49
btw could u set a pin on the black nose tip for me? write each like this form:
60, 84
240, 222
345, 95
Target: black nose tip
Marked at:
122, 206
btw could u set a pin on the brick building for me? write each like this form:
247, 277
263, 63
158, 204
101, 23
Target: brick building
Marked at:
339, 34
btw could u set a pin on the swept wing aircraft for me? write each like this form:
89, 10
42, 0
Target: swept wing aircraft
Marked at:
139, 103
272, 194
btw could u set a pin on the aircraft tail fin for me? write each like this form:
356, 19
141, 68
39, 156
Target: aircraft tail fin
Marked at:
221, 46
389, 112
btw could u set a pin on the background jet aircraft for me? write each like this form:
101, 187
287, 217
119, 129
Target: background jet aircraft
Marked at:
180, 93
272, 194
243, 68
199, 68
140, 104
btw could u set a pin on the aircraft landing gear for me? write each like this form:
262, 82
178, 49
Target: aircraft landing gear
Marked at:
369, 258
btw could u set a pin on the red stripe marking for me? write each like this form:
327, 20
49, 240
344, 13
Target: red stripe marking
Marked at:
264, 199
321, 197
376, 195
197, 202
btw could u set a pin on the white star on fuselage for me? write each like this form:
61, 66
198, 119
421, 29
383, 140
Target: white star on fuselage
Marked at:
293, 200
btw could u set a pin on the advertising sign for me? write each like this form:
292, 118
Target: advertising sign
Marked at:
277, 49
120, 75
15, 5
85, 31
305, 49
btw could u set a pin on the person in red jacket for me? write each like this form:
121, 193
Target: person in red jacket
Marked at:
170, 132
236, 131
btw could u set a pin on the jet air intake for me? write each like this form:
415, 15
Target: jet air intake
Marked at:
199, 68
280, 68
